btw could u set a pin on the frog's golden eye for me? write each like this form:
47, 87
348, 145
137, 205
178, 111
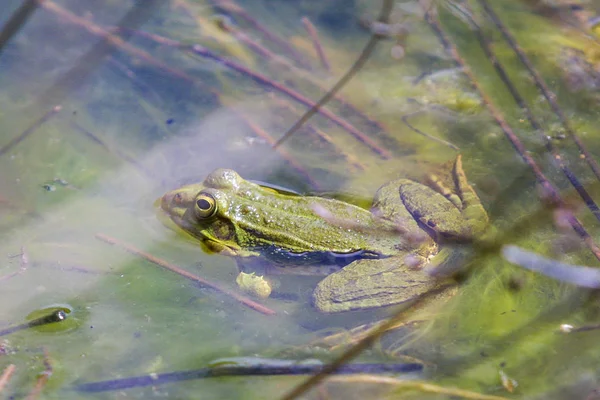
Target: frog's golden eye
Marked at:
206, 206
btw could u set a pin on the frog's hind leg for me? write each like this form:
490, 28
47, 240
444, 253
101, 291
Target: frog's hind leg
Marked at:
436, 183
463, 197
472, 209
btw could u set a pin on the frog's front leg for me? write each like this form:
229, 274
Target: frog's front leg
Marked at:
373, 283
451, 215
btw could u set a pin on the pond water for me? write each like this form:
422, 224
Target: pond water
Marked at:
107, 105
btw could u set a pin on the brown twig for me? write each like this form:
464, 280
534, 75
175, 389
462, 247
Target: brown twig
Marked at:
173, 268
135, 52
270, 56
353, 352
357, 66
254, 45
203, 52
129, 49
367, 341
421, 386
266, 136
231, 7
6, 374
314, 37
310, 77
113, 40
32, 128
71, 79
542, 86
549, 190
9, 276
349, 158
486, 46
42, 378
263, 134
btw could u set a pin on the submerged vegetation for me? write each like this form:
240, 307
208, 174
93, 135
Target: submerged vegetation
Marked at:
106, 106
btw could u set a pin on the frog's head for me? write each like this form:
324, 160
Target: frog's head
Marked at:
208, 212
235, 217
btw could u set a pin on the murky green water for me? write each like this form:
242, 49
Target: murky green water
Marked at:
139, 117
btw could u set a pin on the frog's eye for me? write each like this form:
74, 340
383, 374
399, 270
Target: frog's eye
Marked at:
206, 206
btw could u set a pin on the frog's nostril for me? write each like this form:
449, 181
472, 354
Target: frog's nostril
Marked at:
165, 201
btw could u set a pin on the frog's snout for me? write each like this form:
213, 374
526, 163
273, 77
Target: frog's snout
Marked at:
173, 203
166, 200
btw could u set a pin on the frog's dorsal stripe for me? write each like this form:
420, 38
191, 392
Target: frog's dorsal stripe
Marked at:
342, 196
291, 259
277, 188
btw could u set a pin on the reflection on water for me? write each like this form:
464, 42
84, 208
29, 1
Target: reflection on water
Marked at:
200, 85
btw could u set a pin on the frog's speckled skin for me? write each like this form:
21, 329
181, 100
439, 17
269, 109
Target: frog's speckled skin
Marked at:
392, 241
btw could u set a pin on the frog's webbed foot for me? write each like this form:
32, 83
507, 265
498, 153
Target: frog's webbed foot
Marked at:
473, 218
372, 283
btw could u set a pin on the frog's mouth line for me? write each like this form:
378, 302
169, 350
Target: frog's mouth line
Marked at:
175, 223
182, 227
165, 217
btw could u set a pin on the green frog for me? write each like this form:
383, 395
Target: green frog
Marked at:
371, 258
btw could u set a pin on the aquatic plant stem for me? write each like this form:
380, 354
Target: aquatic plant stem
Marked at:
308, 76
542, 86
139, 13
233, 8
17, 20
584, 328
351, 159
314, 37
255, 46
268, 138
173, 268
133, 52
112, 39
549, 191
6, 374
421, 386
9, 276
56, 316
357, 66
203, 52
405, 118
351, 353
233, 370
486, 46
42, 378
349, 337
